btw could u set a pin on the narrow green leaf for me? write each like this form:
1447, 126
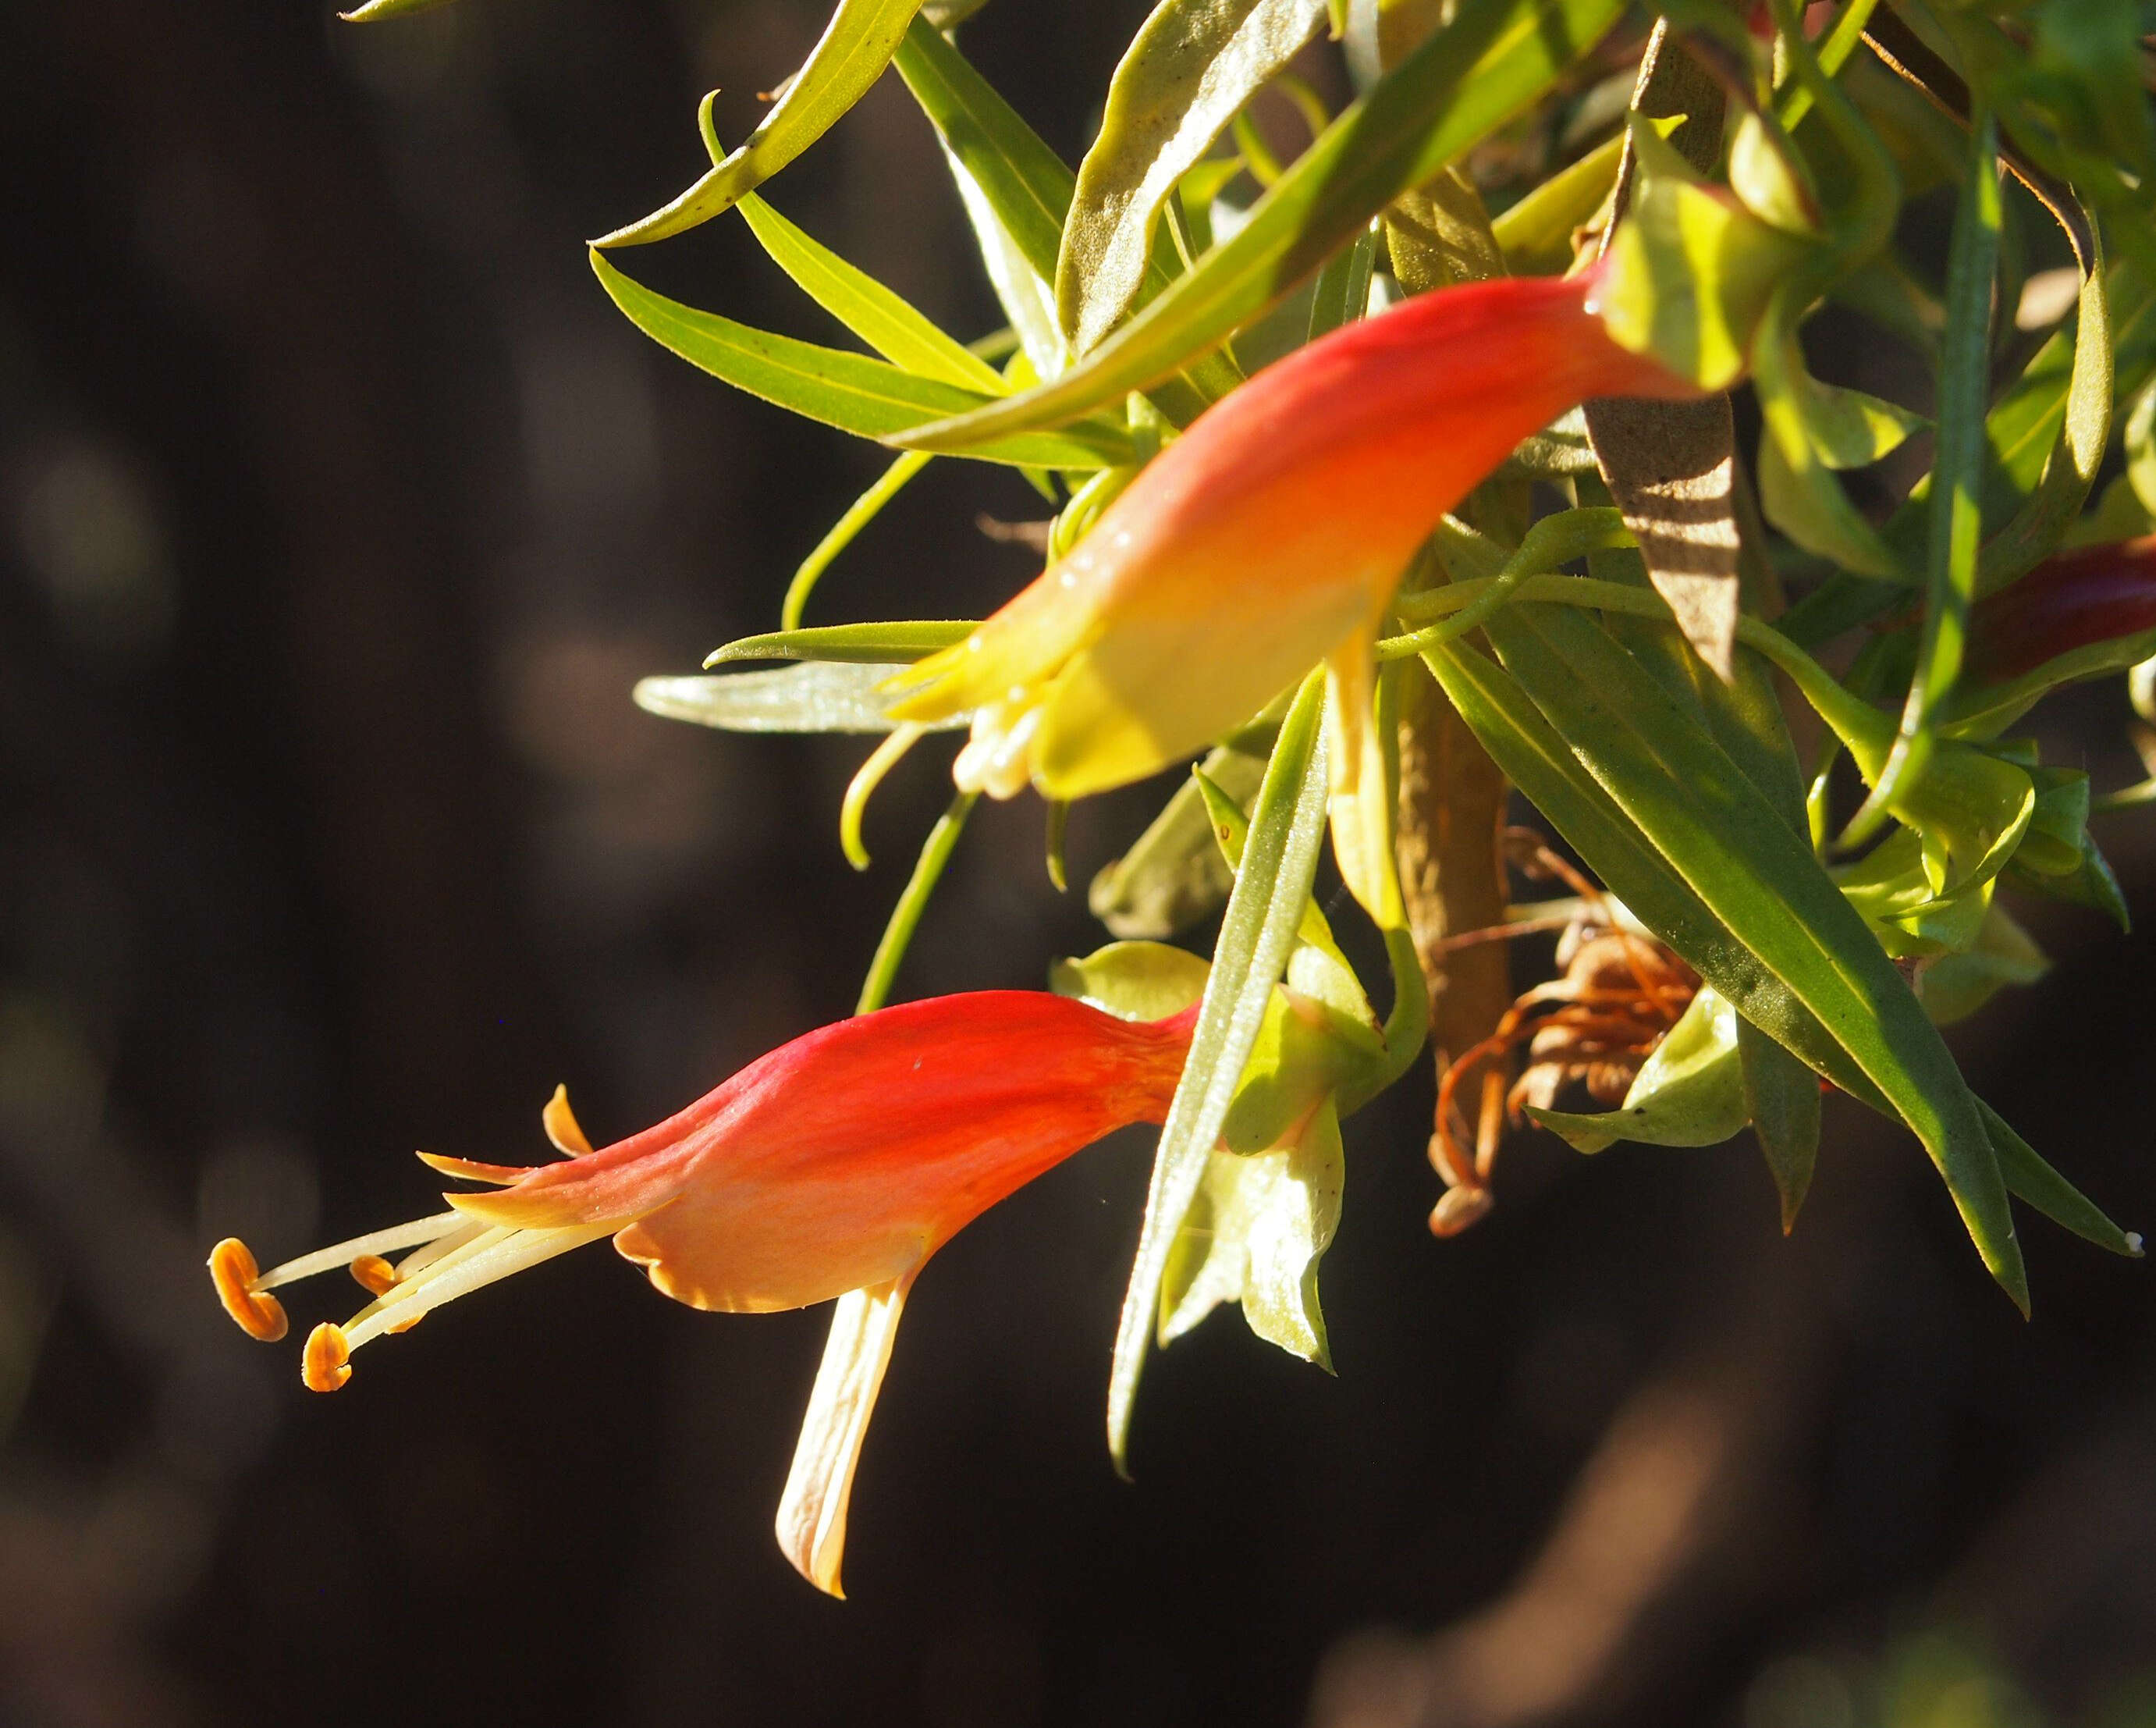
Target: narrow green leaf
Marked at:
1016, 187
1493, 59
1173, 874
1023, 292
2039, 525
1957, 521
827, 697
870, 399
1265, 910
882, 319
1720, 833
1342, 293
375, 9
1536, 760
1026, 183
863, 511
1187, 72
1535, 234
2112, 350
2031, 1179
1782, 1099
898, 644
851, 55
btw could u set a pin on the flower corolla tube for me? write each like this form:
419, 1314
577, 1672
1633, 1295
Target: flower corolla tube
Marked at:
833, 1167
1267, 538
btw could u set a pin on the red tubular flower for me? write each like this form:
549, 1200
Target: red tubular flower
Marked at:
1268, 538
834, 1166
2095, 594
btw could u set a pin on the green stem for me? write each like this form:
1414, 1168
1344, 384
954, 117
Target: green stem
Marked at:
905, 916
1833, 48
859, 515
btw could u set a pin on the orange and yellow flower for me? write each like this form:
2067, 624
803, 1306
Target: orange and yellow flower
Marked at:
833, 1167
1267, 538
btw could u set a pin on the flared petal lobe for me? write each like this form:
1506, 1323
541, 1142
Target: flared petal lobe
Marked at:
1270, 533
843, 1159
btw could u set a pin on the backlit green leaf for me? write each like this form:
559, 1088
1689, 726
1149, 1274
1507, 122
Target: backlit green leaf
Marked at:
1280, 860
1189, 70
1026, 188
898, 644
815, 697
851, 55
1491, 61
1689, 1093
1134, 980
882, 319
870, 399
1253, 1236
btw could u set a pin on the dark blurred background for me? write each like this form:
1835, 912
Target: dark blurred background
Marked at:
338, 513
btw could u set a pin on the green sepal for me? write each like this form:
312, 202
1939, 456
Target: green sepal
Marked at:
1970, 808
1253, 1236
1134, 980
1690, 271
2091, 884
1955, 985
1891, 887
1771, 179
1689, 1093
2052, 846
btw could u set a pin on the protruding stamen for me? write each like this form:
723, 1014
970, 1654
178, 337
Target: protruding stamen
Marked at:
326, 1363
561, 1125
442, 1246
340, 1255
495, 1255
233, 1270
373, 1274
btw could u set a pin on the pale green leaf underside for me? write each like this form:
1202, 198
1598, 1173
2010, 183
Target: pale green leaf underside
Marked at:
1190, 68
819, 696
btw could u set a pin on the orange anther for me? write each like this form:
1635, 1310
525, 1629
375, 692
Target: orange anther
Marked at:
326, 1363
407, 1325
374, 1274
233, 1270
1457, 1208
